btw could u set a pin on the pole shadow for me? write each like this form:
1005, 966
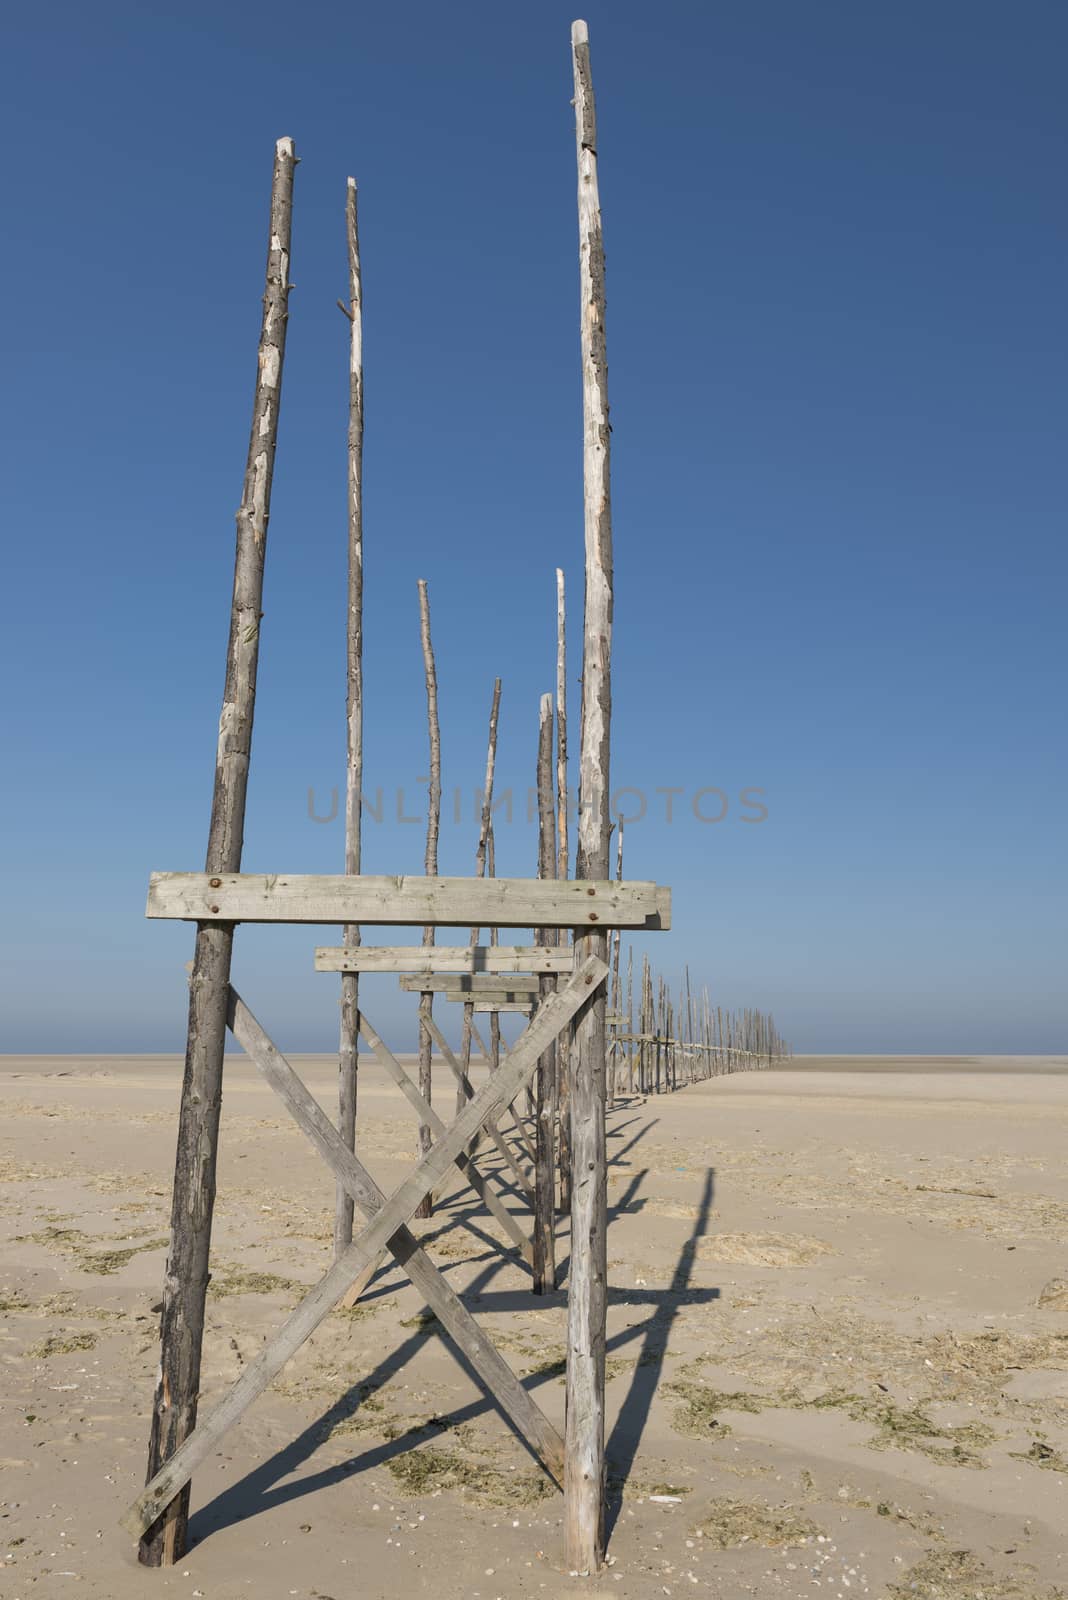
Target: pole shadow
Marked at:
622, 1446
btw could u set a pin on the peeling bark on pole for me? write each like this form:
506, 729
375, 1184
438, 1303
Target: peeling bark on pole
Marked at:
174, 1407
348, 1064
433, 824
584, 1474
545, 1083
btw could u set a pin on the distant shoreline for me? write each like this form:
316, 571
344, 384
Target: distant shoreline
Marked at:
1044, 1065
78, 1063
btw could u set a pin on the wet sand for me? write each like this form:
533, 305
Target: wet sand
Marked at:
837, 1356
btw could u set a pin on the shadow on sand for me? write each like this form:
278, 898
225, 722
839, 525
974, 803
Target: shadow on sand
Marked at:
266, 1487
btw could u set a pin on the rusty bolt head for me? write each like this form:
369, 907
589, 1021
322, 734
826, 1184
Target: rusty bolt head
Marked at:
214, 910
593, 916
215, 883
591, 891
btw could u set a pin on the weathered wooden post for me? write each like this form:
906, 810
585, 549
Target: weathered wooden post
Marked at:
584, 1468
433, 824
495, 1021
545, 1090
484, 826
350, 1001
616, 996
630, 1019
174, 1406
563, 868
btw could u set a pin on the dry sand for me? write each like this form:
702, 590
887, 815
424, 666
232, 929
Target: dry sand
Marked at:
838, 1358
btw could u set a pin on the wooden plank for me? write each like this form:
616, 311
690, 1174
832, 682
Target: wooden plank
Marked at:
185, 1282
386, 1227
464, 1161
415, 901
472, 985
482, 1007
489, 959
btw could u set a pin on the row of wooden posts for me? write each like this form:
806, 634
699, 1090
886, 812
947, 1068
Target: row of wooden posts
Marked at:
656, 1043
563, 1055
679, 1040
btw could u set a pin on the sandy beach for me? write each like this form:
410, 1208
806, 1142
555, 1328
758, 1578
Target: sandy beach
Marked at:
837, 1356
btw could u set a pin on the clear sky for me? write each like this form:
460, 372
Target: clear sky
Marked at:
837, 330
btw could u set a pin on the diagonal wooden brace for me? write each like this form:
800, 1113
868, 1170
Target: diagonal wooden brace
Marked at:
520, 1132
427, 1114
491, 1125
387, 1227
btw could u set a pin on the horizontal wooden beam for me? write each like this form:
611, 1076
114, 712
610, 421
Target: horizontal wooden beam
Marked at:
472, 986
521, 1006
493, 958
438, 902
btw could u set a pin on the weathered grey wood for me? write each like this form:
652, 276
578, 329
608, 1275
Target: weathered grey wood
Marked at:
475, 985
493, 1061
545, 1078
466, 1089
584, 1467
442, 902
616, 946
441, 959
433, 824
386, 1227
494, 939
174, 1406
563, 1132
464, 1162
348, 1049
486, 1008
484, 828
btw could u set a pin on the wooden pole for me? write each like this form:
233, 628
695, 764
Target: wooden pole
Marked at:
348, 1063
630, 1018
617, 943
433, 823
563, 1150
495, 1021
174, 1407
485, 821
545, 1095
562, 853
584, 1468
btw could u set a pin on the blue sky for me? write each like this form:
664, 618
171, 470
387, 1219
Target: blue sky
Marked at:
836, 264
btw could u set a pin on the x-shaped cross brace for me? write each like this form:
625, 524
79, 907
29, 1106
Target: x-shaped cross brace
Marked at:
386, 1227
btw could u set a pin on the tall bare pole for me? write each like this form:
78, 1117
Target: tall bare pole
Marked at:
562, 871
562, 854
348, 1064
174, 1407
544, 1264
484, 827
433, 824
584, 1466
495, 1021
630, 1019
617, 1000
